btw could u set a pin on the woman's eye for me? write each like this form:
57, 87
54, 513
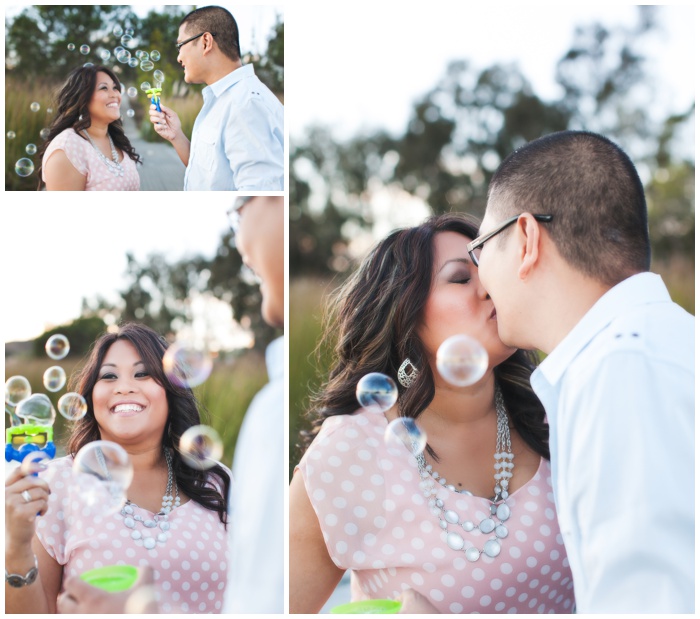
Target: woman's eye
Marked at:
142, 374
461, 279
107, 376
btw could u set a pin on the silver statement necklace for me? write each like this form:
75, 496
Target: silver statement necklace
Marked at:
114, 166
156, 528
499, 512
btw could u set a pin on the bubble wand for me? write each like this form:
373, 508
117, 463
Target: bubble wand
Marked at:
154, 94
35, 434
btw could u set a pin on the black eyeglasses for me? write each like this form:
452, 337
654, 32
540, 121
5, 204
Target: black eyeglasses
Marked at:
196, 36
476, 244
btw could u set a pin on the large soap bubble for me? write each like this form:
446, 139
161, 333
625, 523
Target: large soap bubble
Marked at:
57, 346
24, 167
186, 366
462, 360
159, 76
54, 378
37, 410
155, 55
17, 388
376, 392
201, 447
405, 431
102, 474
147, 65
72, 406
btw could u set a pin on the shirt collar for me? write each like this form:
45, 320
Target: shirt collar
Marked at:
635, 290
222, 85
274, 358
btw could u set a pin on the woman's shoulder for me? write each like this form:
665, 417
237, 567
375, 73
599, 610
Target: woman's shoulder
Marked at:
67, 136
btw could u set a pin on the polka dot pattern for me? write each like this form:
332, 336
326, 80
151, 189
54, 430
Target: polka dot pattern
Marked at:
186, 583
376, 522
85, 160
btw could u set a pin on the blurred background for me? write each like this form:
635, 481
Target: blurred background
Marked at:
44, 43
85, 268
417, 108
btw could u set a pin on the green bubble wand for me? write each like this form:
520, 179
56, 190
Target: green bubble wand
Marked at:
154, 94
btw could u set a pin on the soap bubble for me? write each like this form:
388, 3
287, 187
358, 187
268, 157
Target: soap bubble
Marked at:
133, 62
186, 366
57, 346
24, 167
129, 31
17, 388
54, 378
72, 406
44, 133
105, 54
30, 149
130, 113
11, 135
126, 39
37, 409
145, 86
155, 55
405, 431
376, 392
117, 31
462, 360
49, 110
84, 50
118, 50
132, 92
123, 56
34, 462
159, 75
141, 55
71, 47
34, 107
102, 473
88, 64
201, 447
147, 65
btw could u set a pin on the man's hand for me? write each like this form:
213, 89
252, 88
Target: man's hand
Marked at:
78, 597
166, 123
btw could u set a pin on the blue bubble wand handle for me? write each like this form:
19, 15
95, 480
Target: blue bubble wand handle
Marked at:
154, 93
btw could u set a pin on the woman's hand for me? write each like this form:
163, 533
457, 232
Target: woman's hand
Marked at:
413, 603
166, 123
26, 497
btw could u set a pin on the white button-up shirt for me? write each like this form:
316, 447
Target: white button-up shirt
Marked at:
619, 396
238, 137
256, 526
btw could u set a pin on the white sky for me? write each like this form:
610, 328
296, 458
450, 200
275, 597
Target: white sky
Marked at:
386, 55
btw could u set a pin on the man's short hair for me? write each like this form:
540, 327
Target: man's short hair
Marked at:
219, 22
593, 191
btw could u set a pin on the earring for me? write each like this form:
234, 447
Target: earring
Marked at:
80, 117
407, 378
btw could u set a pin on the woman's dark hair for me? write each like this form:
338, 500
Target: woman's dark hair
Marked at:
183, 413
72, 110
375, 317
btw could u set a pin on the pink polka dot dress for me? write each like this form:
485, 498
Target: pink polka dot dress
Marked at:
190, 568
85, 159
376, 522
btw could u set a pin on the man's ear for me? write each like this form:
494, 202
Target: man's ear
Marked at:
528, 236
208, 43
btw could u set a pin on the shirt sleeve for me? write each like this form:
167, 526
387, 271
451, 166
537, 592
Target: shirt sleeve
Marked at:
630, 487
255, 148
345, 481
52, 527
73, 146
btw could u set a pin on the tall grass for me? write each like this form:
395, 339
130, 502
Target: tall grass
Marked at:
26, 125
224, 397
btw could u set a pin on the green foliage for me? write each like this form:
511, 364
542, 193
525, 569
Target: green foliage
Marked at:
81, 333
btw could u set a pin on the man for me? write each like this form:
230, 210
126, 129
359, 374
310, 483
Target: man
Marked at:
256, 572
565, 257
256, 519
238, 137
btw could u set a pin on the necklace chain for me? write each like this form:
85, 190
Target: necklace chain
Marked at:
498, 508
114, 166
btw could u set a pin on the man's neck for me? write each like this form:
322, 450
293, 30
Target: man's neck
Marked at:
221, 69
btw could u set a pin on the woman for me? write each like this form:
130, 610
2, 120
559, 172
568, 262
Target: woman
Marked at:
357, 503
86, 149
130, 402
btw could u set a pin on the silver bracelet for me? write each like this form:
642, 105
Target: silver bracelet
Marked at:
17, 580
